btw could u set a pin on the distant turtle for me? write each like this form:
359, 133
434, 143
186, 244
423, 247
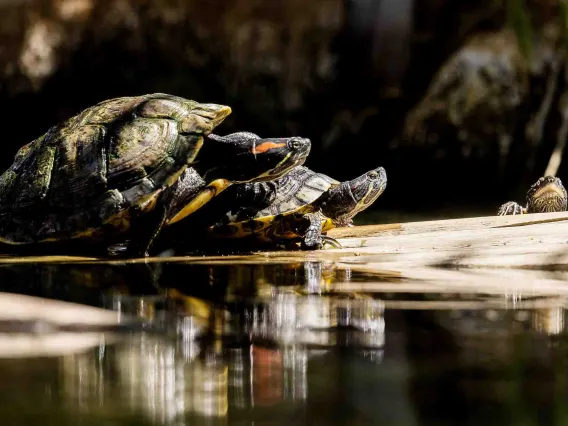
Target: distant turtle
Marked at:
106, 174
546, 195
299, 207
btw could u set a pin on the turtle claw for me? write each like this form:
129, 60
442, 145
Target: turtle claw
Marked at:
320, 243
313, 238
332, 242
510, 208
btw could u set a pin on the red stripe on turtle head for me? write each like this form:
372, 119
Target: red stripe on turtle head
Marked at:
265, 146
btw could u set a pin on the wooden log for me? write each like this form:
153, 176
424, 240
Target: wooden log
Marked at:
471, 224
526, 241
537, 241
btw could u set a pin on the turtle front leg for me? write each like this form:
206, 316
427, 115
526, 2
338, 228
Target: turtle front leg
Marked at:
313, 238
511, 208
145, 227
332, 242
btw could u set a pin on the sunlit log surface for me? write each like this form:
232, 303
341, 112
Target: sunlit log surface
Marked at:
528, 241
537, 241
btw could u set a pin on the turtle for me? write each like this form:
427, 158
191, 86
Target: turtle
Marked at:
299, 207
547, 194
107, 174
263, 160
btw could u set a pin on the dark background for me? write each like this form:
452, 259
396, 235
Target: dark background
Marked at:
449, 96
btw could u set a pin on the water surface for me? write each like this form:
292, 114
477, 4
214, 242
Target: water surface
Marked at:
270, 343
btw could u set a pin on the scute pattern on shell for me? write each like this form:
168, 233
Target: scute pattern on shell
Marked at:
87, 172
298, 188
295, 195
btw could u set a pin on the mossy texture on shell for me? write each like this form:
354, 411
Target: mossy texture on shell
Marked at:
83, 177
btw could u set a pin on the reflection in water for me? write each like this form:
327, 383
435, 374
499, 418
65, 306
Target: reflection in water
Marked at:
549, 320
317, 321
148, 374
247, 353
267, 343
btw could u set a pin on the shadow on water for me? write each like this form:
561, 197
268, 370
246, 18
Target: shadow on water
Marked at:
286, 343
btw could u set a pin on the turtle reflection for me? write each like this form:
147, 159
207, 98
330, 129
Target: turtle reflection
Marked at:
215, 356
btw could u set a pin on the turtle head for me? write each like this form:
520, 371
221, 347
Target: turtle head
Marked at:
547, 195
245, 157
350, 197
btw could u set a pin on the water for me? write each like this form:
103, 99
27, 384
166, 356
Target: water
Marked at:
270, 343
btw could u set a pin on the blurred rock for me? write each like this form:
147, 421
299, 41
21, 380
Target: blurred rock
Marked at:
489, 103
473, 100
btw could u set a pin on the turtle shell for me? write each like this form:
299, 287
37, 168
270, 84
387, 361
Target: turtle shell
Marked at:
296, 193
83, 177
296, 190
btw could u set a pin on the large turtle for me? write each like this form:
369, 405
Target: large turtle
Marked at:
106, 174
299, 207
547, 194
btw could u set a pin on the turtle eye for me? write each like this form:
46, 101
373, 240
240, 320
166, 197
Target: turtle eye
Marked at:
295, 144
373, 175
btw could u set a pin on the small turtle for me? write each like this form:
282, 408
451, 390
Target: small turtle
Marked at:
106, 174
301, 206
546, 195
261, 160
